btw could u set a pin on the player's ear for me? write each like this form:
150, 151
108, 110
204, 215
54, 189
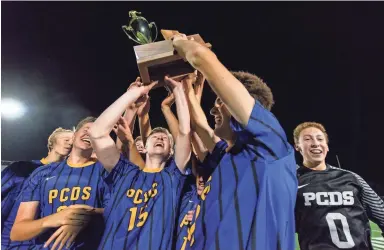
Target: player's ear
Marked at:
298, 149
327, 148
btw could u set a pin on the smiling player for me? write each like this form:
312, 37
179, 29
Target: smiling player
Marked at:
250, 197
143, 207
12, 179
333, 205
64, 196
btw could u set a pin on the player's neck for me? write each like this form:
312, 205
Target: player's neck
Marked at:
154, 162
53, 156
315, 166
78, 156
230, 140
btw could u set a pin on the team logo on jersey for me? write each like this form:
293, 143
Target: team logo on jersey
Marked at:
302, 186
329, 198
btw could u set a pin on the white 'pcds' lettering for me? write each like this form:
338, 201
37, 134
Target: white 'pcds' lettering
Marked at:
329, 198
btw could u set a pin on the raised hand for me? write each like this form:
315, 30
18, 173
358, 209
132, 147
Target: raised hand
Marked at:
123, 131
199, 86
168, 101
188, 83
145, 105
171, 83
179, 43
140, 88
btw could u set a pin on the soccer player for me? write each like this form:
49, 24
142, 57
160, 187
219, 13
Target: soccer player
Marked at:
142, 211
189, 204
58, 200
124, 135
13, 177
334, 205
195, 184
140, 145
250, 198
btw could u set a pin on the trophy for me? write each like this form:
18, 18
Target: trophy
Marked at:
139, 30
156, 59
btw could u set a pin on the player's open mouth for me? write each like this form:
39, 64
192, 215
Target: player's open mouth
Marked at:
316, 151
86, 140
217, 120
159, 144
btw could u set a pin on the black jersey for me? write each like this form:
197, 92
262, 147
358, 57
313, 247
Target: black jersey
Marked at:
333, 209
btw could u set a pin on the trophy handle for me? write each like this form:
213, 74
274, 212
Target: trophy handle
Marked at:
127, 29
152, 24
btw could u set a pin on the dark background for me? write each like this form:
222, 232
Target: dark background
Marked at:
323, 62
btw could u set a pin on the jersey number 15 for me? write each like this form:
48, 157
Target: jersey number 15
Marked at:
142, 216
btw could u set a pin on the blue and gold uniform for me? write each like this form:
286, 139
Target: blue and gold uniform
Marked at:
59, 185
12, 179
143, 208
249, 200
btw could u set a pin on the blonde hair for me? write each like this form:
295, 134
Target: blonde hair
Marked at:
162, 130
52, 137
304, 125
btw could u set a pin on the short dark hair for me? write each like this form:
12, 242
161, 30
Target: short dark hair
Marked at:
138, 139
256, 87
84, 121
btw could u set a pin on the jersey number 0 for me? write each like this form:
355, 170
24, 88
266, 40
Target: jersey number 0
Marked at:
331, 217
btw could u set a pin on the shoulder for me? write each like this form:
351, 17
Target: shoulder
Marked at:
20, 168
344, 171
45, 170
353, 175
123, 166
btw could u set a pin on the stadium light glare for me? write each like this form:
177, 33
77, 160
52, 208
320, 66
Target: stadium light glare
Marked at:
12, 109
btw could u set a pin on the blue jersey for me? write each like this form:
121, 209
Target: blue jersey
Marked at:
189, 202
143, 207
59, 185
12, 179
249, 200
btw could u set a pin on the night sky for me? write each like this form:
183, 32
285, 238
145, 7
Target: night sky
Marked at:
323, 62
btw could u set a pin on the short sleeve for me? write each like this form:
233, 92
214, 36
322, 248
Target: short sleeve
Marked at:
32, 186
123, 167
211, 160
175, 171
266, 134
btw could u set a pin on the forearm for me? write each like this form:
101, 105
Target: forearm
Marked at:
134, 155
105, 122
173, 123
145, 127
198, 146
204, 132
222, 82
130, 116
196, 112
119, 145
183, 139
182, 111
28, 229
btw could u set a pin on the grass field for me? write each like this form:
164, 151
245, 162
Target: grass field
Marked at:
377, 239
